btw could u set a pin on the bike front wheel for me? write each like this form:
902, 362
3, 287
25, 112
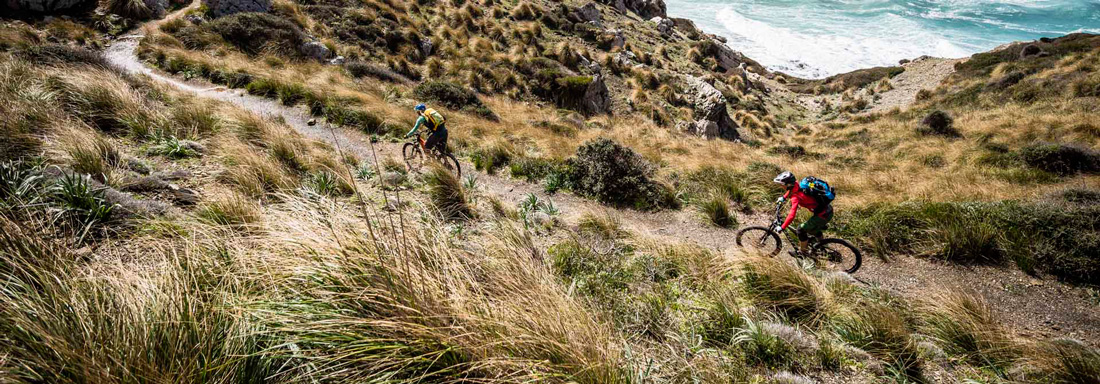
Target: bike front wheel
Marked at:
838, 255
761, 240
414, 157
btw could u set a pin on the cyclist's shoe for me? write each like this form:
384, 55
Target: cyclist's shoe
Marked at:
795, 253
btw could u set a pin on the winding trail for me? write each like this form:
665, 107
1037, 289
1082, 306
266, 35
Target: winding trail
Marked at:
1032, 307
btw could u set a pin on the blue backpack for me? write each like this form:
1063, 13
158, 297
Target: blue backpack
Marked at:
818, 189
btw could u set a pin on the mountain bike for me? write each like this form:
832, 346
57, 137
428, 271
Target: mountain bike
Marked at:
827, 253
417, 154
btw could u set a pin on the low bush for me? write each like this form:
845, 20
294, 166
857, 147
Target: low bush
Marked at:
614, 174
130, 9
255, 33
938, 123
365, 69
490, 157
453, 96
1062, 159
1053, 236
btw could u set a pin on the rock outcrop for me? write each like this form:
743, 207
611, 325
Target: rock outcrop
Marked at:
316, 50
219, 8
597, 98
709, 107
687, 27
647, 9
48, 6
728, 59
589, 13
664, 26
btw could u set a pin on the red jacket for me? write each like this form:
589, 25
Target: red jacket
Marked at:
800, 199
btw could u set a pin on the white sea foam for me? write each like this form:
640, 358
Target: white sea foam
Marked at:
817, 38
819, 53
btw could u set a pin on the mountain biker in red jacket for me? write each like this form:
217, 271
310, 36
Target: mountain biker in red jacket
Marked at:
823, 213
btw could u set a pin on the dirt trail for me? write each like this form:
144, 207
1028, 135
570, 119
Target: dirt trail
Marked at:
1033, 307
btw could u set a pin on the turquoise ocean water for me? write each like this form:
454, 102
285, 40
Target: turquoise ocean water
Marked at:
817, 38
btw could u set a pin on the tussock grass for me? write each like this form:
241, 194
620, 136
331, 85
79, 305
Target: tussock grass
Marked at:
775, 284
965, 325
1065, 361
231, 210
605, 224
447, 194
717, 211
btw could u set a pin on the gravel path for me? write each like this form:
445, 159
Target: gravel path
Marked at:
1033, 307
922, 73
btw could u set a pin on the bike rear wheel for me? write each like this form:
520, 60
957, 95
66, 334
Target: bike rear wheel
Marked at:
451, 164
414, 157
759, 239
838, 255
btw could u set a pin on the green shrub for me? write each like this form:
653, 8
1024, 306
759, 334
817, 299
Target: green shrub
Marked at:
1062, 159
82, 207
614, 174
493, 156
255, 33
938, 123
453, 96
20, 183
173, 147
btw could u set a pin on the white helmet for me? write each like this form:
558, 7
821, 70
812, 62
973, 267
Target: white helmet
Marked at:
785, 178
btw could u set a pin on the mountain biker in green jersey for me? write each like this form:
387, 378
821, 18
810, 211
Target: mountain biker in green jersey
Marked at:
435, 123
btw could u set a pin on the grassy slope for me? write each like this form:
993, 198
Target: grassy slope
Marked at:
280, 286
982, 164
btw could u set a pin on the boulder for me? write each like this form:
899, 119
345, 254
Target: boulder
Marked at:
47, 6
196, 19
618, 40
138, 166
728, 59
339, 60
588, 13
392, 179
193, 146
708, 104
597, 98
315, 50
588, 66
1030, 50
539, 219
664, 26
426, 46
687, 27
158, 8
645, 8
219, 8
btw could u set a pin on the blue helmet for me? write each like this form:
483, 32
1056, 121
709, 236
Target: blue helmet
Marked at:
420, 108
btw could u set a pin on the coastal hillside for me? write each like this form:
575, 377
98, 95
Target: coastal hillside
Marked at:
218, 191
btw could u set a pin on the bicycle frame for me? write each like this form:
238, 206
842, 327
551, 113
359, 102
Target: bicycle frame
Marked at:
788, 233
